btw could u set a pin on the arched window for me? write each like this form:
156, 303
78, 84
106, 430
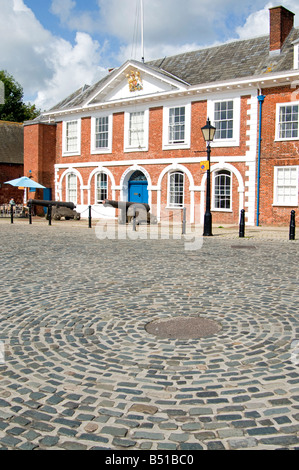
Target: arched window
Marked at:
222, 190
71, 188
101, 187
138, 176
176, 189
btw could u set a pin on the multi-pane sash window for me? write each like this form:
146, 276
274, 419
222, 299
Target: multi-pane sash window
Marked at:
224, 119
72, 136
102, 187
101, 132
286, 186
176, 189
136, 129
222, 190
288, 122
177, 120
72, 188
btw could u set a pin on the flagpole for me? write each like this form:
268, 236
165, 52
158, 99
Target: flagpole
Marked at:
142, 31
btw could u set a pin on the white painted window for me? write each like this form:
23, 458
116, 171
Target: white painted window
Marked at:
71, 137
287, 121
101, 187
222, 193
286, 186
224, 119
101, 134
225, 116
136, 130
71, 188
176, 189
177, 127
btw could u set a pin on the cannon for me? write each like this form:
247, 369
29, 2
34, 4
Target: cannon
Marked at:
129, 210
59, 209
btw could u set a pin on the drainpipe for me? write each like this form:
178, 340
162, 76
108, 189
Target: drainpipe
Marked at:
261, 99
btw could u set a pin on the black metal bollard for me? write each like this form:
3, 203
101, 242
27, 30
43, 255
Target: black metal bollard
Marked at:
134, 219
30, 213
242, 224
292, 226
50, 214
11, 213
89, 217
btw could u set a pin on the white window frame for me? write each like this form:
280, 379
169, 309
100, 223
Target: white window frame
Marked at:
68, 198
133, 148
167, 145
215, 175
65, 151
293, 203
97, 175
235, 140
279, 106
171, 205
101, 150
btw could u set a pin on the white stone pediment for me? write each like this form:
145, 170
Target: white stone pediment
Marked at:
135, 80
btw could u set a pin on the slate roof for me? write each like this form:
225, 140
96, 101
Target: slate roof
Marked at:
233, 60
11, 142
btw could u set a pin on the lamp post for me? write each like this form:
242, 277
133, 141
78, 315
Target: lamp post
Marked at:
208, 132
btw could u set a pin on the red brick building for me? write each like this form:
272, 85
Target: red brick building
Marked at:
11, 160
136, 134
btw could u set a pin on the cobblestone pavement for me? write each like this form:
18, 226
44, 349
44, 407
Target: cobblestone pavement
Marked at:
80, 371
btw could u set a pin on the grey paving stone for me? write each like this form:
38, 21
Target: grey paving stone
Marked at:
79, 352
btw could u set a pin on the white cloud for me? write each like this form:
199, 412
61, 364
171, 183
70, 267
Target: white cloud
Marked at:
62, 8
48, 67
257, 23
71, 66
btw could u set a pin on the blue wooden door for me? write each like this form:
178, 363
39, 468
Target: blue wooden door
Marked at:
47, 196
138, 191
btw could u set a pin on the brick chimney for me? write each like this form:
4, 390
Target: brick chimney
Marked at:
281, 24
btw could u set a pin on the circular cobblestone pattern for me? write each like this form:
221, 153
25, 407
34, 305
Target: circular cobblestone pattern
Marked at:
80, 371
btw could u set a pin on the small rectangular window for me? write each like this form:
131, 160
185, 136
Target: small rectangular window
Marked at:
72, 136
101, 132
177, 119
288, 122
136, 129
224, 119
286, 186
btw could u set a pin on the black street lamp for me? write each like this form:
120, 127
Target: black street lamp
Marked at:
208, 132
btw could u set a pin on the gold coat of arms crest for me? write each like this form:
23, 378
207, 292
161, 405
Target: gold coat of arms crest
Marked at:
135, 81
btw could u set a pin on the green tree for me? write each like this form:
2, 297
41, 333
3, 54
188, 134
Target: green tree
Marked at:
14, 109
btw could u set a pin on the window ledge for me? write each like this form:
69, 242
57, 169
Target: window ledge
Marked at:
174, 208
101, 151
285, 205
221, 210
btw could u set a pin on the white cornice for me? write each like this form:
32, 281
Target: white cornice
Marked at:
266, 80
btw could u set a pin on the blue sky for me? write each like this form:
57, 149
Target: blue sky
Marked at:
52, 47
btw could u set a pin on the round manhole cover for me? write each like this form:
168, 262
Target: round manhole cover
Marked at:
183, 328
